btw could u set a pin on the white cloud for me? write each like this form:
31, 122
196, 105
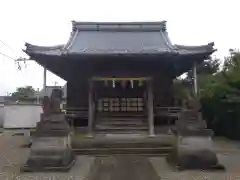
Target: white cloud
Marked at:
45, 22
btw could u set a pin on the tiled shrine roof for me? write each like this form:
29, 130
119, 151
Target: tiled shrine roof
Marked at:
102, 38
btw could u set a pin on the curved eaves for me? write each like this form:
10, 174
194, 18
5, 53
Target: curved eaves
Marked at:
207, 47
70, 42
204, 49
167, 40
43, 50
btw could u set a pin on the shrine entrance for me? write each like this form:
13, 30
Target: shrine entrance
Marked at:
120, 104
120, 95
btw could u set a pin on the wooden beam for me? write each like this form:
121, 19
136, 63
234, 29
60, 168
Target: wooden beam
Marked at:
99, 78
150, 107
45, 80
195, 78
90, 108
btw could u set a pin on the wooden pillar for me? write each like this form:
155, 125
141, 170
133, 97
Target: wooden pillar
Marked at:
90, 108
195, 81
150, 107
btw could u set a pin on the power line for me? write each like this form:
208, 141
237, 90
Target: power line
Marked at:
16, 60
7, 46
7, 56
23, 59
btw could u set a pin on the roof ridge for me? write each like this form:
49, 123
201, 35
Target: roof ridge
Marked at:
119, 26
119, 22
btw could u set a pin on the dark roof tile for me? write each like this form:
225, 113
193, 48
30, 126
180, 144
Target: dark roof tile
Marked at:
111, 38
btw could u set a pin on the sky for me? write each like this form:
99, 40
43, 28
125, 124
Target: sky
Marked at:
48, 22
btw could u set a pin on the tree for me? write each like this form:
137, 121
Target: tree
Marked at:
183, 88
209, 66
221, 98
24, 92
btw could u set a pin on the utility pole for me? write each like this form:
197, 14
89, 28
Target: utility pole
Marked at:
45, 80
44, 73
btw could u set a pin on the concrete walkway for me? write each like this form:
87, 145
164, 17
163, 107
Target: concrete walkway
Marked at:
127, 167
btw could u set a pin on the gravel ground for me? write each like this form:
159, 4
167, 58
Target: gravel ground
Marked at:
115, 167
12, 157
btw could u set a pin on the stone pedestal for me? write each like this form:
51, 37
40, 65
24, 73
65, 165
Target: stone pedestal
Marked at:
51, 146
193, 148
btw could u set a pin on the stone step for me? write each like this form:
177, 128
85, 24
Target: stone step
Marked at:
161, 151
134, 140
45, 160
110, 131
121, 119
121, 144
122, 123
124, 127
112, 127
124, 114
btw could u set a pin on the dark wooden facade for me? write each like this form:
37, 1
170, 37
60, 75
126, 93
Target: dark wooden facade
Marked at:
115, 51
77, 94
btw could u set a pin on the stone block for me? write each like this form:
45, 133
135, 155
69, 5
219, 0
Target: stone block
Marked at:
196, 133
50, 154
48, 128
194, 150
197, 159
51, 146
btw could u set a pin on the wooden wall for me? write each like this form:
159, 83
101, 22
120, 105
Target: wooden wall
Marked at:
162, 90
161, 72
77, 92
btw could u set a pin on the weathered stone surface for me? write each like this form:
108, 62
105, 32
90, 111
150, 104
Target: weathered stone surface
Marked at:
121, 167
50, 150
197, 159
193, 152
50, 153
51, 144
190, 120
188, 132
56, 98
46, 106
193, 148
55, 126
47, 145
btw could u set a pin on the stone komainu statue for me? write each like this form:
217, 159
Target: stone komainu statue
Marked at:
55, 99
51, 145
46, 105
52, 105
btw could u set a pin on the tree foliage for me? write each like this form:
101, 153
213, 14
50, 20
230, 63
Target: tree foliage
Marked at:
209, 66
219, 90
183, 88
24, 92
220, 95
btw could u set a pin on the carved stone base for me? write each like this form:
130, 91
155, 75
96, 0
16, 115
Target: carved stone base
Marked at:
52, 126
193, 150
50, 154
51, 148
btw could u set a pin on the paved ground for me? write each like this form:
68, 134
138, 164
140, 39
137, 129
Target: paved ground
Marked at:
115, 167
125, 167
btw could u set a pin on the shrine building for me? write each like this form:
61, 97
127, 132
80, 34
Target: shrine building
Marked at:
120, 74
